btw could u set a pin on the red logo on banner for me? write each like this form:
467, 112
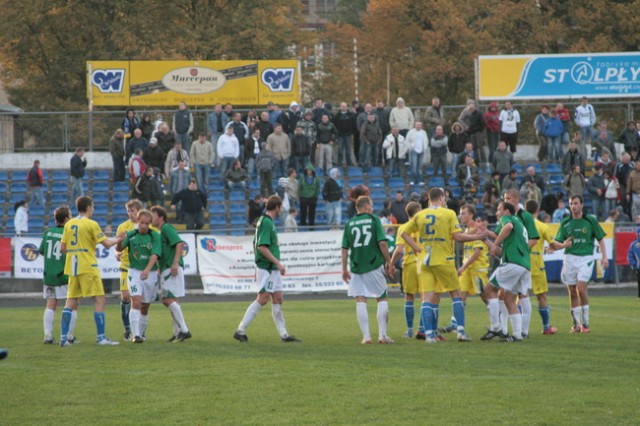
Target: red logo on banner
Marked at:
5, 257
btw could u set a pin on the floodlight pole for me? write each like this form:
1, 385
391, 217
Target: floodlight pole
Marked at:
355, 65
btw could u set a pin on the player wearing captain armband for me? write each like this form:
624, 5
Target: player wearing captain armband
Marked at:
576, 235
54, 279
438, 229
145, 248
79, 239
410, 282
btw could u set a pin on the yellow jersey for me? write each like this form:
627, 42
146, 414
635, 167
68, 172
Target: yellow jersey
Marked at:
482, 261
126, 226
435, 227
537, 251
80, 236
409, 254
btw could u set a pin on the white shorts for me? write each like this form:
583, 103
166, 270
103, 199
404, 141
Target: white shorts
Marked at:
576, 268
143, 288
55, 291
269, 281
369, 284
513, 278
172, 286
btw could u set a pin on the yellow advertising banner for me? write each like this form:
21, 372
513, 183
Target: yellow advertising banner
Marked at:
201, 83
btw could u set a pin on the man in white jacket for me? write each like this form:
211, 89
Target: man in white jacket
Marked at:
417, 140
396, 149
585, 118
401, 117
228, 149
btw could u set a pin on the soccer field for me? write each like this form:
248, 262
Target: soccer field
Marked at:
330, 378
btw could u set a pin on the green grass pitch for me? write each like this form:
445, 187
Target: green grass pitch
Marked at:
328, 379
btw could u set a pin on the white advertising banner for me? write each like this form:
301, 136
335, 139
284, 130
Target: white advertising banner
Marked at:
29, 263
189, 254
312, 262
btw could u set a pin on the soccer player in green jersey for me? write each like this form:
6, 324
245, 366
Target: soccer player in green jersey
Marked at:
512, 274
54, 279
576, 235
171, 272
364, 244
269, 271
79, 239
144, 249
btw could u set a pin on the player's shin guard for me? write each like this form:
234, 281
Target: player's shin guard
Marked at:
546, 317
458, 313
409, 313
493, 307
64, 324
278, 319
47, 322
516, 325
585, 316
99, 319
176, 313
249, 315
144, 321
134, 321
72, 323
383, 318
504, 318
426, 311
363, 319
125, 308
576, 316
526, 314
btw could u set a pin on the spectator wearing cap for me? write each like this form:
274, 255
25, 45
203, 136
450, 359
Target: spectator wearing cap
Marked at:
401, 117
35, 179
596, 188
116, 149
154, 156
201, 156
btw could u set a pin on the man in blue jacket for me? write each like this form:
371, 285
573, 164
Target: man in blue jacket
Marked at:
553, 129
633, 255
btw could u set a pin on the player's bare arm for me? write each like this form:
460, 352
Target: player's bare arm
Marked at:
264, 250
407, 238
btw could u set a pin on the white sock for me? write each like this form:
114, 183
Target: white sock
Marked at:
278, 319
383, 318
176, 326
363, 319
144, 321
493, 306
585, 315
72, 324
576, 314
249, 315
47, 321
176, 313
525, 302
134, 320
516, 325
504, 314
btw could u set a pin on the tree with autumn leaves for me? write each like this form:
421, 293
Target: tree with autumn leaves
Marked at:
428, 46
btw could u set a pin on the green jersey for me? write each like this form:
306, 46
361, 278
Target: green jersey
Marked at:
362, 235
515, 248
169, 238
583, 231
54, 259
529, 223
265, 235
141, 248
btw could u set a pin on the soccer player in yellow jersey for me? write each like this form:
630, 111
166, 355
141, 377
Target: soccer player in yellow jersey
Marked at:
474, 271
79, 239
133, 207
538, 272
409, 273
438, 229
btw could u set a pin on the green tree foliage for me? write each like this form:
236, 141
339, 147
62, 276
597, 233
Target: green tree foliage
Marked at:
45, 43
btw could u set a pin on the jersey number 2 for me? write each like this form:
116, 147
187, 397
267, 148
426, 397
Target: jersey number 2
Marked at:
431, 221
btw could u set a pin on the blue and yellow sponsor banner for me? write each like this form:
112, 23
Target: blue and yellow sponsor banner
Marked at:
595, 75
202, 83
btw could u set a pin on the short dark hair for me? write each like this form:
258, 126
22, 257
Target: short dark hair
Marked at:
471, 209
436, 194
508, 206
83, 203
273, 202
160, 212
531, 206
578, 197
61, 213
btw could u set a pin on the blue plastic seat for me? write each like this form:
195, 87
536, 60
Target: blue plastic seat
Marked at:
216, 196
102, 175
237, 208
120, 197
121, 186
100, 186
60, 175
59, 198
237, 196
